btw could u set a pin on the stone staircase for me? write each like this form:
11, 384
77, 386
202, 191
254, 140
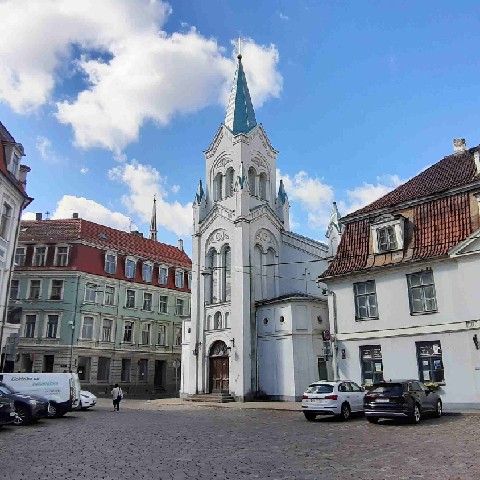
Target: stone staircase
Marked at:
210, 397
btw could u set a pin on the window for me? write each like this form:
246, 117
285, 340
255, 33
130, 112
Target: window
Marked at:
130, 268
34, 293
143, 370
177, 335
103, 372
128, 332
5, 220
146, 333
147, 270
263, 186
162, 338
252, 174
14, 285
30, 321
130, 299
87, 328
372, 364
162, 305
365, 300
61, 257
126, 368
430, 362
179, 278
110, 263
107, 330
40, 257
211, 278
147, 301
354, 387
230, 182
90, 293
20, 256
109, 295
189, 280
217, 321
421, 292
386, 239
52, 326
218, 187
57, 290
163, 275
179, 307
227, 274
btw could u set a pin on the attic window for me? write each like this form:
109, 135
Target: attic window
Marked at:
102, 235
386, 239
388, 234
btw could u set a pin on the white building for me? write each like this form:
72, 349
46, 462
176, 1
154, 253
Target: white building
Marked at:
13, 199
257, 312
404, 283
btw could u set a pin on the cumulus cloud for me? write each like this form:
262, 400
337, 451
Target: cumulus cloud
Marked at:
46, 151
283, 16
84, 170
143, 182
28, 216
133, 70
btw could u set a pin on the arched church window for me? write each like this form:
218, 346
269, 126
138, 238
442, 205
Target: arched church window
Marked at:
227, 274
229, 180
263, 186
218, 186
211, 277
217, 321
257, 272
252, 178
270, 273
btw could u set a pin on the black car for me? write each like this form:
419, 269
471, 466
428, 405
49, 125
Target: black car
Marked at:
7, 411
27, 407
408, 399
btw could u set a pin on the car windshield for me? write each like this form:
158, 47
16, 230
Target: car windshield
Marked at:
322, 388
387, 388
5, 389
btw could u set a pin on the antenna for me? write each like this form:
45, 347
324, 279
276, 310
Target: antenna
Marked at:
239, 47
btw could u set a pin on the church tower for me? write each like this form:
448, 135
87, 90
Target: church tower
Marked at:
238, 222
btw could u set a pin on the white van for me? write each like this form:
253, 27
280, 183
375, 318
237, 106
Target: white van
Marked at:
61, 389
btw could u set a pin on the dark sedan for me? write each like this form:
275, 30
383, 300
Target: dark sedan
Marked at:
408, 399
27, 407
7, 411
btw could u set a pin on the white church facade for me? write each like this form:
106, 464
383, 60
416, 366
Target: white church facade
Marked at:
257, 315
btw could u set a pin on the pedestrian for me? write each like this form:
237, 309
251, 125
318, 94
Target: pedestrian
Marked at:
117, 396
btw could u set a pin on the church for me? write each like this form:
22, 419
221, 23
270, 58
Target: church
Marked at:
258, 316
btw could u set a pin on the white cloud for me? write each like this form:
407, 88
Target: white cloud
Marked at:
28, 216
47, 153
134, 71
143, 182
84, 170
175, 188
283, 16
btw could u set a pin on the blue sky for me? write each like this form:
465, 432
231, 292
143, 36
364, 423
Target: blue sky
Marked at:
121, 101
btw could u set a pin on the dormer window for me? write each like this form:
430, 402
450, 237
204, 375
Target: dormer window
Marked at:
179, 278
388, 234
130, 265
110, 263
61, 256
163, 275
40, 257
147, 271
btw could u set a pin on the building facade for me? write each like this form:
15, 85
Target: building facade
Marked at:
257, 312
13, 199
104, 303
403, 285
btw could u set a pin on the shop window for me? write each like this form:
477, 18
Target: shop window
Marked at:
372, 364
430, 362
103, 372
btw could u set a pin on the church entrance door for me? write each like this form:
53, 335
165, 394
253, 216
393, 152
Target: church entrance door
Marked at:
219, 368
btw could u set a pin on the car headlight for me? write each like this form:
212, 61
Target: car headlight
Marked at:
32, 402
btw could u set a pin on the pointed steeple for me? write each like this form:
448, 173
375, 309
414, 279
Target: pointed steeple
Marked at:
282, 195
200, 193
240, 117
153, 221
335, 219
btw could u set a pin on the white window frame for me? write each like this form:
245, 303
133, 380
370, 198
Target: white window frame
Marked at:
127, 261
87, 284
142, 324
113, 254
105, 296
166, 305
24, 255
112, 330
132, 322
6, 224
93, 327
134, 297
29, 293
55, 260
50, 289
150, 265
370, 295
59, 325
34, 258
160, 275
151, 302
180, 274
421, 288
163, 327
24, 324
176, 327
398, 226
183, 307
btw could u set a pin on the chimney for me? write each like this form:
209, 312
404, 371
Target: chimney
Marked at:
22, 175
75, 215
476, 157
136, 233
38, 216
459, 145
180, 244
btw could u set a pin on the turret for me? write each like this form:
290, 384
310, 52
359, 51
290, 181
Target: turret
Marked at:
282, 206
334, 231
199, 206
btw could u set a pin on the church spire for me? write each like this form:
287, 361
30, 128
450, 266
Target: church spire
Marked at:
240, 117
153, 221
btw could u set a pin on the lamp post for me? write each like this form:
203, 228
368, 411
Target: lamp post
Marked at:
176, 365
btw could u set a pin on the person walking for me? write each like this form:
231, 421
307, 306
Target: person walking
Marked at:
117, 396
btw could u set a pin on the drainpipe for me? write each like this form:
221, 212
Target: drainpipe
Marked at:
73, 325
334, 335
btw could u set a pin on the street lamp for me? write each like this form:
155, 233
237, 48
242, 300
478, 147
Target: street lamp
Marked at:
176, 365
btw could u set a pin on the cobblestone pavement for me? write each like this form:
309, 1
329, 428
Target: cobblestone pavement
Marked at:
216, 443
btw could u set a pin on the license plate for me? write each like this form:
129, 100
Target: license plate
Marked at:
382, 400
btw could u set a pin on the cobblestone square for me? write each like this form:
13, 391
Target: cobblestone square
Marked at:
191, 442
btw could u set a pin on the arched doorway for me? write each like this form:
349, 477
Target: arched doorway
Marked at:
219, 368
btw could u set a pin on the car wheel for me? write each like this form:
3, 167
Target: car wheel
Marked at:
52, 410
416, 415
22, 416
439, 409
310, 416
373, 419
345, 415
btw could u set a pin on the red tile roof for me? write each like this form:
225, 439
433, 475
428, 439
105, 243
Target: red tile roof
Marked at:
45, 231
6, 137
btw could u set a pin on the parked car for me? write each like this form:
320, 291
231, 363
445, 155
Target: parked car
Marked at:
61, 389
332, 398
28, 408
408, 399
7, 411
87, 399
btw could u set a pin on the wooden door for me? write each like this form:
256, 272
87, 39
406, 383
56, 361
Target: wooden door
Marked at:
219, 374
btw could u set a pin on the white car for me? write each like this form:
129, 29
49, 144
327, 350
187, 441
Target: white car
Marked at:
340, 398
87, 400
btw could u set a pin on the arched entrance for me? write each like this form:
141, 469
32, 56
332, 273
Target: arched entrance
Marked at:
219, 367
